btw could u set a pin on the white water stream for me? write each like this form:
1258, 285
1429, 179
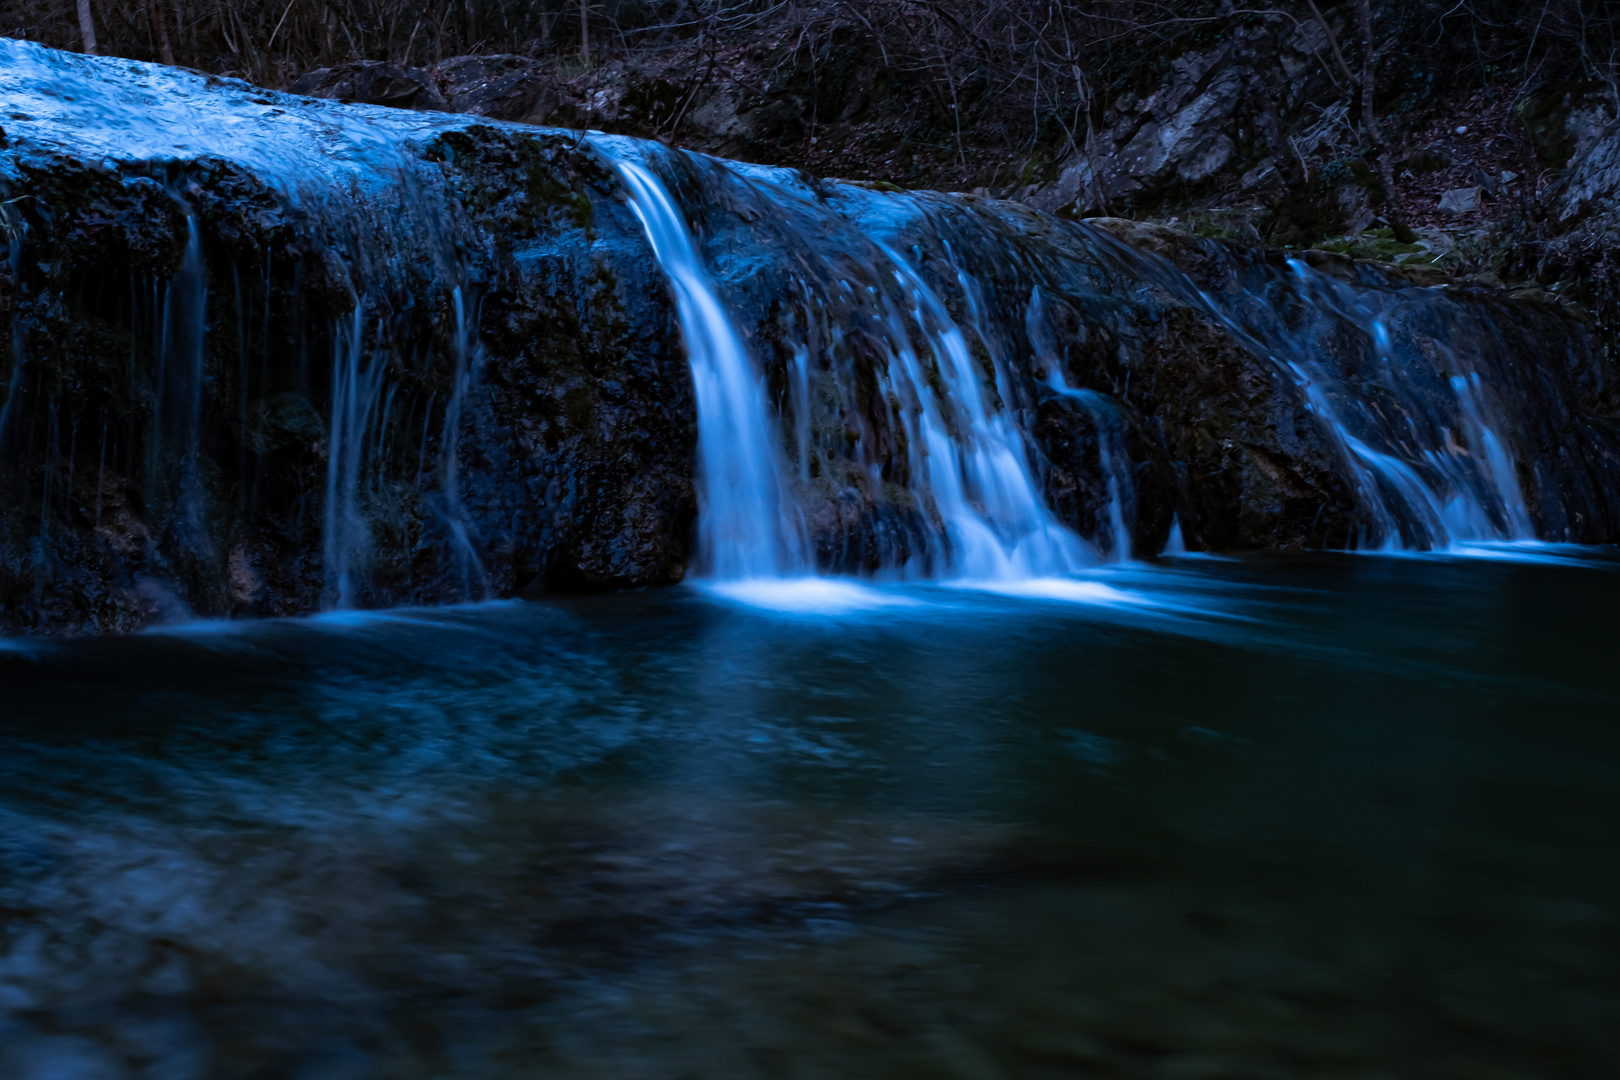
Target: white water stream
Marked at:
748, 526
968, 463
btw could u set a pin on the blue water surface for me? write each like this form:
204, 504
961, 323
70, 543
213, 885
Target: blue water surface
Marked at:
1327, 815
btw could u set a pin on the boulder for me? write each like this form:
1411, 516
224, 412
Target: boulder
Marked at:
1592, 184
502, 87
1461, 200
373, 82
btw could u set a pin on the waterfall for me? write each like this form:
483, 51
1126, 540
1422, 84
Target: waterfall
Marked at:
748, 526
1111, 456
182, 363
1454, 489
968, 465
971, 451
1425, 448
884, 385
468, 567
1105, 420
1428, 474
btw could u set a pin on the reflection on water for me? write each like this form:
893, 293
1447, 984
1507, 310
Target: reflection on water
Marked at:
1319, 816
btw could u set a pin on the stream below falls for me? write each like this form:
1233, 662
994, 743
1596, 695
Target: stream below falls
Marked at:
1312, 815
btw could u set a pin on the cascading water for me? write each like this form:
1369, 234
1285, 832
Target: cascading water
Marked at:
1436, 483
330, 179
1111, 456
1469, 490
469, 569
182, 363
996, 525
968, 466
13, 229
357, 383
1425, 481
747, 527
1104, 416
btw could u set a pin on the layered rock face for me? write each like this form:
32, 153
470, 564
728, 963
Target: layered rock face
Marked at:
264, 354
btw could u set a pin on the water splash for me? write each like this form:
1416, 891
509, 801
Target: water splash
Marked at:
1175, 544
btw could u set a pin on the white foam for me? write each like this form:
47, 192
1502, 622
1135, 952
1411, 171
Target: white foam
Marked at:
1525, 551
1067, 590
338, 619
1528, 552
805, 595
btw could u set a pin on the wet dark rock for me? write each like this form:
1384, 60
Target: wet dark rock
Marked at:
573, 435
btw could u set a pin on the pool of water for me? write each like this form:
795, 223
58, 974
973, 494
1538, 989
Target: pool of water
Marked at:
1328, 816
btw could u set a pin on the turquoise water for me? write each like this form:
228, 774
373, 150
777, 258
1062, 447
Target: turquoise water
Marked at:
1326, 816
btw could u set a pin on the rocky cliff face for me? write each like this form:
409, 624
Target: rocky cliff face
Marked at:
264, 354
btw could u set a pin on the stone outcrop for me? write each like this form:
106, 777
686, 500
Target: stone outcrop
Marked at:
373, 82
497, 87
1592, 185
1184, 135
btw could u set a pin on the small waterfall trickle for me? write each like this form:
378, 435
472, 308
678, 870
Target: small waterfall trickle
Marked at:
469, 569
748, 526
1106, 421
1498, 464
1176, 543
182, 364
357, 381
1111, 456
13, 228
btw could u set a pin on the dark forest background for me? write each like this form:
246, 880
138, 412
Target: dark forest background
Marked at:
1012, 76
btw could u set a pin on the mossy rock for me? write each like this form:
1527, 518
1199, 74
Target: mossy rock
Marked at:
1379, 245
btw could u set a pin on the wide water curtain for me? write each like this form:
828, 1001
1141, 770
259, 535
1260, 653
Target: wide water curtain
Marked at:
748, 526
966, 466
